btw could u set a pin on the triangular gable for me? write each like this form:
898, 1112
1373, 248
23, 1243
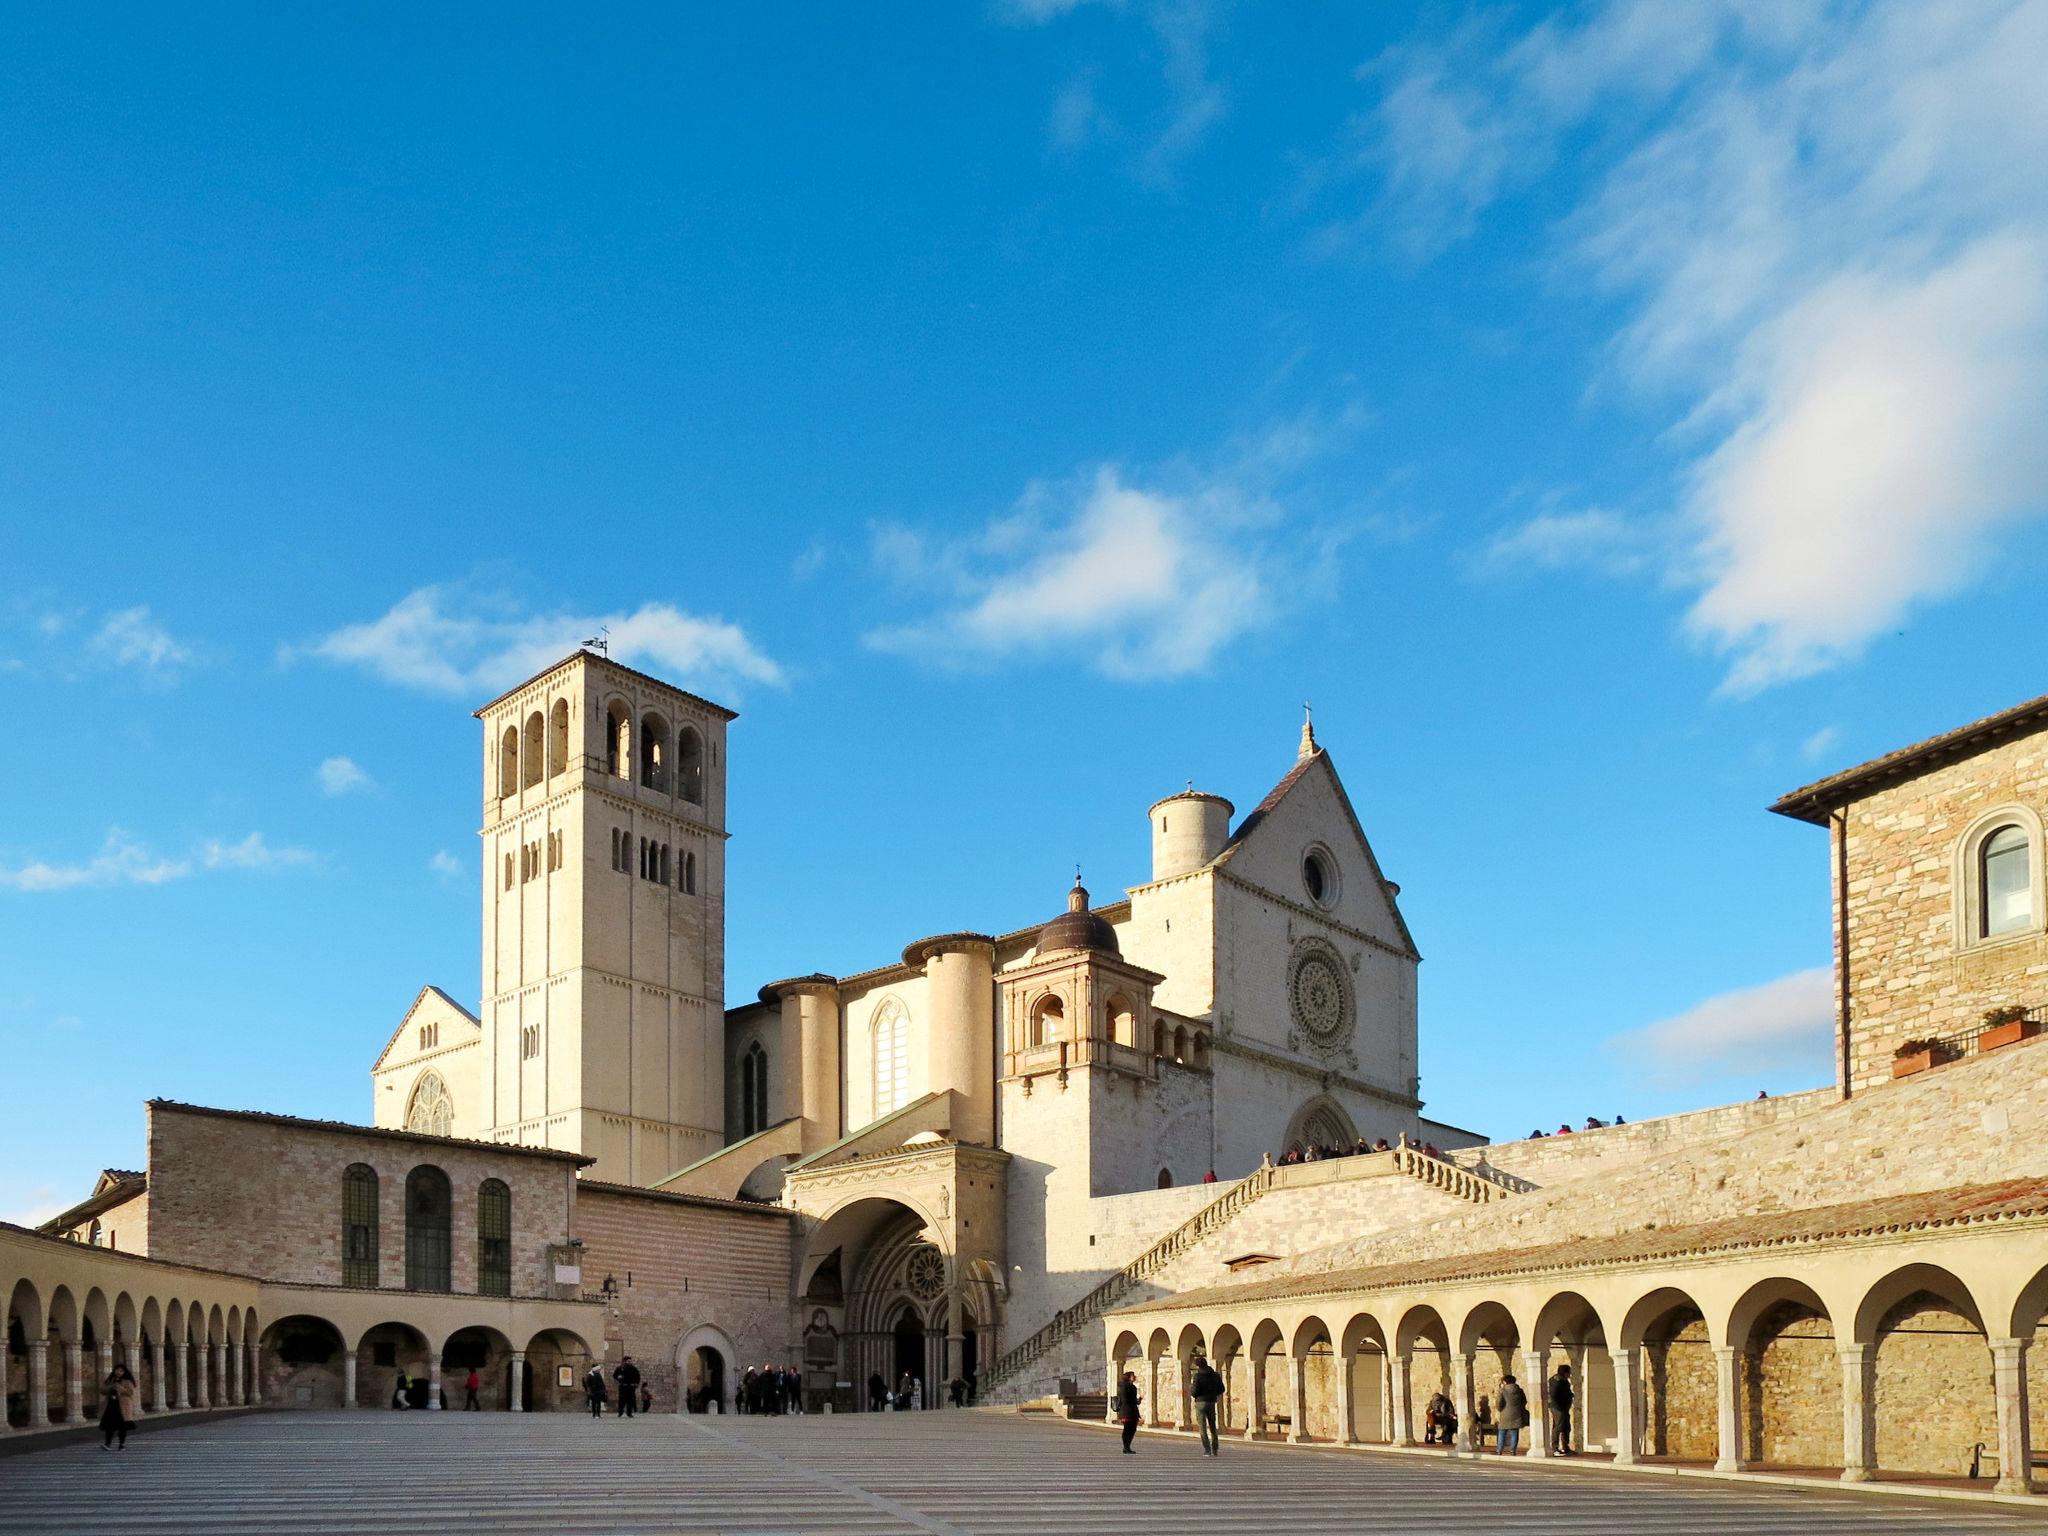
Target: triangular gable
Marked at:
431, 998
1318, 763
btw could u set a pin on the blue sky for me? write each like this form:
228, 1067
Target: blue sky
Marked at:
1609, 418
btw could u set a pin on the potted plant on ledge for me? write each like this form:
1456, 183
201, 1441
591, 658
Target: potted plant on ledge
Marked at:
1918, 1055
2008, 1025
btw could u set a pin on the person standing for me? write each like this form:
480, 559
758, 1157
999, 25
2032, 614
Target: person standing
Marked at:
1127, 1400
1560, 1396
1207, 1389
117, 1408
594, 1388
1510, 1415
469, 1385
878, 1392
399, 1394
628, 1378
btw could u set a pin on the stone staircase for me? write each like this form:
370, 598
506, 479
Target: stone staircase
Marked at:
1478, 1185
1069, 1321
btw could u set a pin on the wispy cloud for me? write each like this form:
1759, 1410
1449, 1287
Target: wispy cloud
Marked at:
450, 641
1820, 743
1827, 228
123, 859
446, 865
133, 640
1592, 539
1782, 1026
342, 776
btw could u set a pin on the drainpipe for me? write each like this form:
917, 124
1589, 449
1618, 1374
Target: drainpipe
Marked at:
1838, 824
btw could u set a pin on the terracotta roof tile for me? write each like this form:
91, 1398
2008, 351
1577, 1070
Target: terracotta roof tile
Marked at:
1812, 802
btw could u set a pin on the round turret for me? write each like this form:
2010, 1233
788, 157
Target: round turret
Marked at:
1188, 830
1077, 927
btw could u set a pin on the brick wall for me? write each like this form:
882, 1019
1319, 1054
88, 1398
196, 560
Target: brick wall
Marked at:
1908, 976
680, 1263
262, 1196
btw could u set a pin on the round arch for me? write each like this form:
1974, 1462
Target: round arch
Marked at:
300, 1363
1922, 1324
707, 1370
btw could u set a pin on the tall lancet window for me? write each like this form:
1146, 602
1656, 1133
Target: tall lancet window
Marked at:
892, 1057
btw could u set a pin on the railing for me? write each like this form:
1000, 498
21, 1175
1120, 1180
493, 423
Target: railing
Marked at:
1442, 1173
1155, 1258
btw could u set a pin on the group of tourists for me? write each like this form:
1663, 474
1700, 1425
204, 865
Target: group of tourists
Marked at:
1500, 1418
634, 1395
1318, 1152
1593, 1123
771, 1389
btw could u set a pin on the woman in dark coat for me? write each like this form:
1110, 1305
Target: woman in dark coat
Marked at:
118, 1406
593, 1384
1127, 1400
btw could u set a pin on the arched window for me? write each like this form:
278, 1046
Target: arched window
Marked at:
754, 1090
653, 751
666, 852
1166, 1178
618, 741
493, 1238
532, 750
2006, 879
426, 1230
430, 1110
690, 766
508, 763
1048, 1020
359, 1225
689, 873
1123, 1021
558, 737
892, 1057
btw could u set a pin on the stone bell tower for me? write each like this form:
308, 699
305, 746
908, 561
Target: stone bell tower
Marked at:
604, 918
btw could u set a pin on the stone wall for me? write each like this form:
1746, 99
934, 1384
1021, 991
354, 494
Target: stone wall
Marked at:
1552, 1159
681, 1264
261, 1195
1911, 972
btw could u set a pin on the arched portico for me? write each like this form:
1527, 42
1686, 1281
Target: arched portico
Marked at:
1363, 1412
708, 1368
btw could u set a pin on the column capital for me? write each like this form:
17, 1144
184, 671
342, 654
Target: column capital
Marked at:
2009, 1346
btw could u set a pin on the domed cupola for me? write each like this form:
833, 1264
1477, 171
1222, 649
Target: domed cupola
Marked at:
1077, 927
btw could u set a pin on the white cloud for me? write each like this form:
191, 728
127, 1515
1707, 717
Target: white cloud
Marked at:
124, 860
341, 776
1194, 100
1076, 115
446, 865
1781, 1026
132, 639
1820, 743
443, 640
1144, 583
1593, 539
1828, 231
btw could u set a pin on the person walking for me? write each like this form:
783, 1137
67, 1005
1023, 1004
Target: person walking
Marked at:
117, 1407
469, 1385
1127, 1400
628, 1377
1559, 1396
878, 1392
399, 1393
1510, 1416
1207, 1389
594, 1388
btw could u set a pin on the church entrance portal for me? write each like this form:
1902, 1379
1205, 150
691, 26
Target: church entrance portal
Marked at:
909, 1351
706, 1386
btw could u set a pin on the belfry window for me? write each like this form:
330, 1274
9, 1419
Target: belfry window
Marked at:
508, 762
558, 737
531, 749
493, 1238
426, 1230
618, 741
690, 766
653, 751
359, 1225
2007, 881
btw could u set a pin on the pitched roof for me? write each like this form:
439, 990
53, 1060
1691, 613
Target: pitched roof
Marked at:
1964, 1204
117, 1186
646, 677
1814, 801
261, 1117
414, 1007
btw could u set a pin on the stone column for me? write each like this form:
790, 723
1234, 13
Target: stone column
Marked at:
131, 1356
74, 1384
1255, 1410
38, 1383
1859, 1418
238, 1393
1116, 1381
2015, 1448
1461, 1397
157, 1385
1404, 1421
202, 1370
106, 1364
184, 1374
1728, 1398
1537, 1436
1627, 1426
1346, 1434
956, 1354
1297, 1399
434, 1381
348, 1379
518, 1385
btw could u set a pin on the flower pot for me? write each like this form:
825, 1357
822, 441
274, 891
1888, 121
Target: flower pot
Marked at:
1906, 1066
2008, 1034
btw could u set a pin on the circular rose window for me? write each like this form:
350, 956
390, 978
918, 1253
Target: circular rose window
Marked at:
927, 1273
1322, 997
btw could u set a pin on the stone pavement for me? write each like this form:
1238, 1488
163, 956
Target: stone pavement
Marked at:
372, 1474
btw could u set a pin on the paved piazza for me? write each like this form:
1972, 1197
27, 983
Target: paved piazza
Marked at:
375, 1473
